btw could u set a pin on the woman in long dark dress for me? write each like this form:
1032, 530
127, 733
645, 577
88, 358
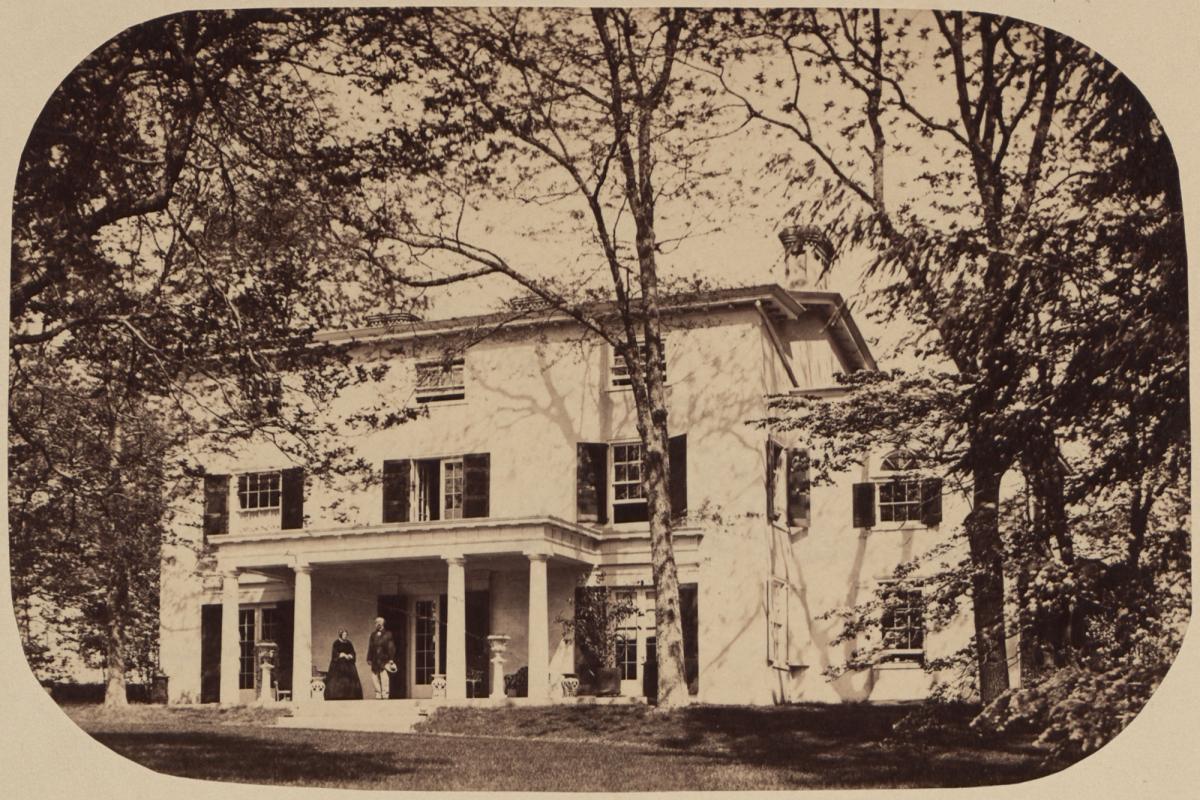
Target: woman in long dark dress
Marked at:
341, 682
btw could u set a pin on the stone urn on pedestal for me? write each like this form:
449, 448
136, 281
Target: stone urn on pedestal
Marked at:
498, 643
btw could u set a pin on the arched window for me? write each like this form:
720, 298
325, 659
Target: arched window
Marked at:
900, 492
899, 461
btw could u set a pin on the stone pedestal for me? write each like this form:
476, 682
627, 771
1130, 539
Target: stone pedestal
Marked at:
266, 655
498, 644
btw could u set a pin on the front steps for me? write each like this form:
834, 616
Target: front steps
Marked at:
384, 716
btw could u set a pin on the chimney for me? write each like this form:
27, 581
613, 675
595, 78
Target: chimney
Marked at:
807, 252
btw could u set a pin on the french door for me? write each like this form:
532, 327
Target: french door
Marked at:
425, 663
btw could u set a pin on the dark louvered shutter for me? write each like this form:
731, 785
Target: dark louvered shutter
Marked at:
286, 641
216, 505
798, 488
292, 498
774, 451
591, 482
864, 505
210, 652
395, 490
477, 479
443, 621
478, 628
931, 501
677, 453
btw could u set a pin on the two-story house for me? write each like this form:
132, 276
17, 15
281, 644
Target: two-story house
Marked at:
521, 485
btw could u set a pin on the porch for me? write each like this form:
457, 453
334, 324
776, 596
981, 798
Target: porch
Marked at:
442, 589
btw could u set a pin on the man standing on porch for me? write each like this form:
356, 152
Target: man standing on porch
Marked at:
381, 650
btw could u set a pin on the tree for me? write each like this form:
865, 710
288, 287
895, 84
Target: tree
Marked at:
949, 196
548, 106
168, 265
89, 504
1027, 246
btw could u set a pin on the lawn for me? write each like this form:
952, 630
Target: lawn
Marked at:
569, 748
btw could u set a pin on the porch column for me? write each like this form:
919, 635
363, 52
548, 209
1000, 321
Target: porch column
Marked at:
231, 650
302, 634
456, 628
539, 628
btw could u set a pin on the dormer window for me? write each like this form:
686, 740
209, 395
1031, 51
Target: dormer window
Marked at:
440, 381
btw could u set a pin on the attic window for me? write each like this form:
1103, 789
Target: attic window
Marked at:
440, 381
619, 376
899, 461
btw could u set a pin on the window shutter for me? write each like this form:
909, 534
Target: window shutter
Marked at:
292, 485
283, 665
442, 615
689, 618
931, 501
864, 505
774, 451
798, 488
677, 453
216, 505
395, 490
591, 482
477, 478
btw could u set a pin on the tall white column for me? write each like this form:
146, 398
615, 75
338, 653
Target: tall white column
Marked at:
231, 651
456, 628
302, 634
539, 628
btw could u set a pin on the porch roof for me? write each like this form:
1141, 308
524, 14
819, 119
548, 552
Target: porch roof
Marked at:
554, 537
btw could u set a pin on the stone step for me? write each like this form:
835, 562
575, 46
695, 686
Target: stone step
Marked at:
398, 724
370, 709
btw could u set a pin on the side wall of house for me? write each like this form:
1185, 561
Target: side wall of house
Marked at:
530, 399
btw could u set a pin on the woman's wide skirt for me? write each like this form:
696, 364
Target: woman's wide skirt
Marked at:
342, 683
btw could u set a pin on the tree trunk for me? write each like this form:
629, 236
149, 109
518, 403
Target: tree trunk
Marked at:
987, 585
117, 600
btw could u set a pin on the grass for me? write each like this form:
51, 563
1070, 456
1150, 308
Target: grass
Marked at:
568, 748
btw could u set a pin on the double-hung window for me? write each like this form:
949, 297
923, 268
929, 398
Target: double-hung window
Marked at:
441, 381
900, 491
629, 496
608, 481
898, 494
259, 491
264, 499
902, 623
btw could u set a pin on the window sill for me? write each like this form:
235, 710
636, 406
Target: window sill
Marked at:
431, 404
619, 389
258, 513
900, 660
911, 525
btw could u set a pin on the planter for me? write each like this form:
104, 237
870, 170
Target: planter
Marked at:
608, 682
570, 685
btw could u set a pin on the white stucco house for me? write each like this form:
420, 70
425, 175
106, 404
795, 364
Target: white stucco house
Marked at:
521, 485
